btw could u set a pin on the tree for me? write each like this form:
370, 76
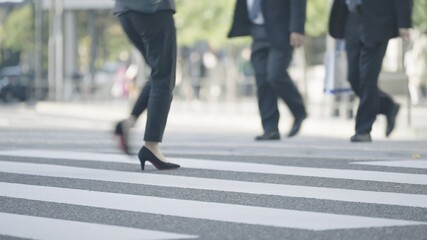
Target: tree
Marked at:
420, 14
18, 31
317, 17
203, 20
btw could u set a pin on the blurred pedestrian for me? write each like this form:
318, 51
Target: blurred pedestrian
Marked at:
367, 26
150, 26
276, 28
416, 69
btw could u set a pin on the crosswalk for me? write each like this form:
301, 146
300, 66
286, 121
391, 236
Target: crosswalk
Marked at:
71, 166
418, 164
54, 229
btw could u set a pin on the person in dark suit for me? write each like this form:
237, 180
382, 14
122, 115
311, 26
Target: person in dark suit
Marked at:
150, 26
367, 26
276, 27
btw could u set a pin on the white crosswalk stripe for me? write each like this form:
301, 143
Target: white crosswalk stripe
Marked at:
54, 229
239, 167
192, 209
410, 200
420, 164
200, 210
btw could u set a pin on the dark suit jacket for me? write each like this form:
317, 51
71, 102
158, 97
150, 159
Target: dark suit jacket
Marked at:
381, 19
281, 18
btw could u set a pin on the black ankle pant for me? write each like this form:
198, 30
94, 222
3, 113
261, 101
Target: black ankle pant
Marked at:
154, 35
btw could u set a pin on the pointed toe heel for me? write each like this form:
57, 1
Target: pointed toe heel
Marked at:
146, 155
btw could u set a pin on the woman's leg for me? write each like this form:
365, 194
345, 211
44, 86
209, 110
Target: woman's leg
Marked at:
160, 54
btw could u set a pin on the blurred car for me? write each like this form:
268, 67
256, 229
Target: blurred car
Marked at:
13, 84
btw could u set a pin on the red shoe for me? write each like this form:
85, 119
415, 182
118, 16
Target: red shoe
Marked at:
122, 132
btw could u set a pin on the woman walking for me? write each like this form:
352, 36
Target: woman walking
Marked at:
150, 26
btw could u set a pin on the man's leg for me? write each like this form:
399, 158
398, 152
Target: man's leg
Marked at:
283, 86
386, 103
267, 99
371, 59
353, 45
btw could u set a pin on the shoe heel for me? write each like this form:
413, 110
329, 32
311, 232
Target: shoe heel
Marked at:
142, 165
146, 155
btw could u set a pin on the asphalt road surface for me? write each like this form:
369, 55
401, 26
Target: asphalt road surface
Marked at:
62, 180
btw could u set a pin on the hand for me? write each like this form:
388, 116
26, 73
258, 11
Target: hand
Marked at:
405, 34
297, 39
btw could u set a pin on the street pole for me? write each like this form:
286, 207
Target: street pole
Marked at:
38, 47
59, 50
92, 51
51, 51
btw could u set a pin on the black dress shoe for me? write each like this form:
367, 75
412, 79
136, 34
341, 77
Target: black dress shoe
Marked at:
391, 119
146, 155
296, 126
273, 135
122, 132
361, 137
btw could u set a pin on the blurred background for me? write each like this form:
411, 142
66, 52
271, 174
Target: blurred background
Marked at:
74, 51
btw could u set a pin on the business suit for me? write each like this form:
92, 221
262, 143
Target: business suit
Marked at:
271, 56
367, 31
150, 26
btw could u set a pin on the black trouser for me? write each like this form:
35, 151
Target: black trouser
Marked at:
364, 66
154, 35
273, 80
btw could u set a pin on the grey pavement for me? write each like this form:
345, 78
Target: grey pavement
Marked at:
59, 166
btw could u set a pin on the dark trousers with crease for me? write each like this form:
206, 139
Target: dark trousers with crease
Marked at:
154, 35
364, 66
272, 80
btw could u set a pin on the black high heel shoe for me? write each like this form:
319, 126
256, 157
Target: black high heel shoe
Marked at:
122, 132
146, 155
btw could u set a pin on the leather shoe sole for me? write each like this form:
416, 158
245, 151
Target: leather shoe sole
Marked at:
296, 126
268, 136
362, 137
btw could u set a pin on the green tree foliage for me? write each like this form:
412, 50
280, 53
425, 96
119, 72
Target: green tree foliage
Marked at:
420, 14
203, 20
17, 32
317, 17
